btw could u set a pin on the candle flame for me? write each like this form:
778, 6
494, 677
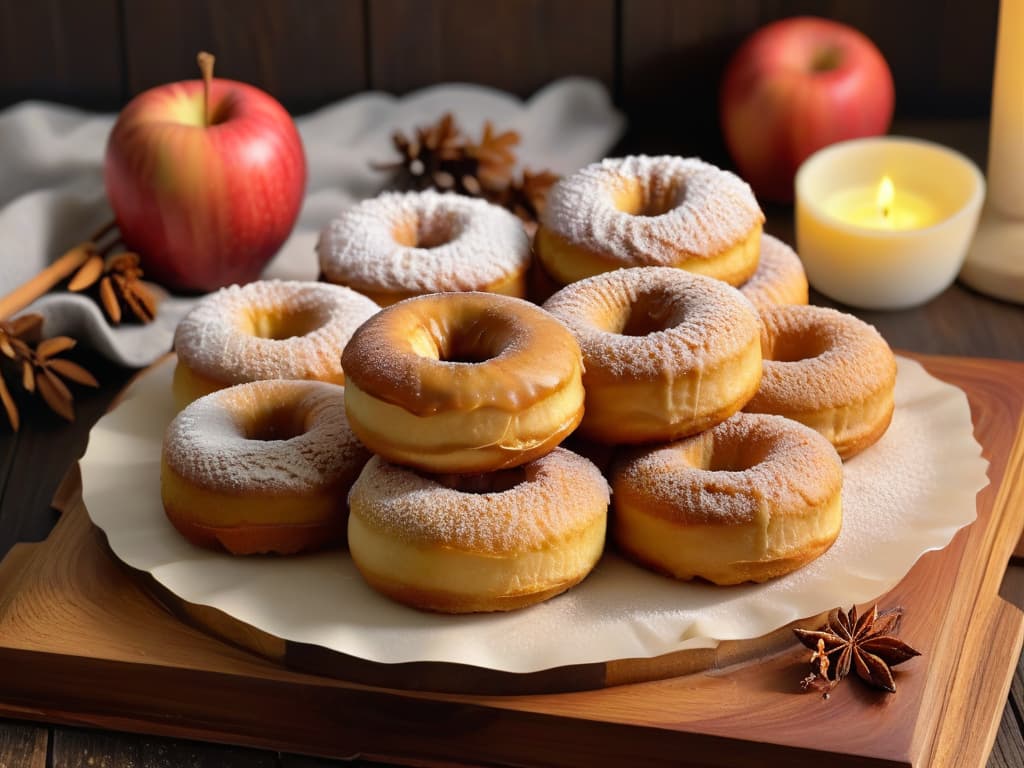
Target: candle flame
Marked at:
885, 195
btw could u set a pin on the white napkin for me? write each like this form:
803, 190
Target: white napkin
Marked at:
52, 196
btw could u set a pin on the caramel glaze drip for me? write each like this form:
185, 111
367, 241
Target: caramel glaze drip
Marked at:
460, 352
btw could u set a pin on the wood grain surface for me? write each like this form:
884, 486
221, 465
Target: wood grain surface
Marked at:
114, 648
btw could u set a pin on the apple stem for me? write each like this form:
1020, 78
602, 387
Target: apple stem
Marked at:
206, 61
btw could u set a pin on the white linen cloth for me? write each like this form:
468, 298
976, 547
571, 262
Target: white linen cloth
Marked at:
52, 195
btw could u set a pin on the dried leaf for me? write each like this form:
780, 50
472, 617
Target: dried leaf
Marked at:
72, 372
109, 300
50, 347
9, 407
87, 274
56, 394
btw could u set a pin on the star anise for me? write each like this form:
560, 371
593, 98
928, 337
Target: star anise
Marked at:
867, 643
120, 289
495, 157
38, 367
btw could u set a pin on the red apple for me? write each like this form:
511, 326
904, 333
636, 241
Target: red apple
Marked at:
795, 86
206, 179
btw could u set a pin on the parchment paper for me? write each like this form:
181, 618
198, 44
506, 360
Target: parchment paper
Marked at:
906, 495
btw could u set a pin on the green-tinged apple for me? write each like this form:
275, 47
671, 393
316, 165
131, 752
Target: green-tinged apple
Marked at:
795, 86
206, 178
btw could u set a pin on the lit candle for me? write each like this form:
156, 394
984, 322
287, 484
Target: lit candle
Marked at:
884, 223
880, 207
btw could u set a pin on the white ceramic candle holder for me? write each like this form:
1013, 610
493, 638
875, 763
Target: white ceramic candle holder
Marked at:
882, 267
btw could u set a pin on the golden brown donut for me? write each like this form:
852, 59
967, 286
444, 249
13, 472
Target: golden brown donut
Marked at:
261, 467
494, 542
403, 244
650, 211
753, 498
463, 382
666, 353
269, 329
828, 370
780, 276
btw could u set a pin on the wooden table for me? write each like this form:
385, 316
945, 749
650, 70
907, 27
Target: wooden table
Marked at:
959, 322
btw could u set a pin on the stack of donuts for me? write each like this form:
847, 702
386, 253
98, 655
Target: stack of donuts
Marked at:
674, 346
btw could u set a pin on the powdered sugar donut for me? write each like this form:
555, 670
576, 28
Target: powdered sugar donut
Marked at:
780, 278
666, 353
650, 211
261, 467
753, 498
269, 329
400, 245
828, 370
491, 542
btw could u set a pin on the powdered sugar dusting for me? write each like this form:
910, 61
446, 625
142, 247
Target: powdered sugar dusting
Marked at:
705, 321
780, 277
482, 244
796, 467
711, 209
848, 360
207, 444
563, 492
216, 339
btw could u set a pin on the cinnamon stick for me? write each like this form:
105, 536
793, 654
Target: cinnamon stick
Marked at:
32, 289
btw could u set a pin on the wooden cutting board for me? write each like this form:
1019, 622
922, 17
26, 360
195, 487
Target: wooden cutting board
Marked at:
83, 642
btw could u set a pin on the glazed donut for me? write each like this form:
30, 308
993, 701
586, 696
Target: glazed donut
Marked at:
753, 498
828, 370
261, 467
406, 244
493, 542
463, 382
650, 211
666, 353
780, 278
269, 329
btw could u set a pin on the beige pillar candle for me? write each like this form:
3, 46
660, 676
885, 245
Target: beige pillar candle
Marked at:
1006, 138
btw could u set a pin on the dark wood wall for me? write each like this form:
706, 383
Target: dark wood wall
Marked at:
662, 59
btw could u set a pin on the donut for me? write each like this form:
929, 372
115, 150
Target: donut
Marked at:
494, 542
400, 245
751, 499
650, 211
462, 382
780, 276
269, 329
666, 353
828, 370
261, 467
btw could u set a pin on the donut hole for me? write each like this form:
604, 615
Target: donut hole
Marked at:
472, 342
648, 314
736, 455
652, 197
285, 324
425, 231
489, 482
792, 347
280, 423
